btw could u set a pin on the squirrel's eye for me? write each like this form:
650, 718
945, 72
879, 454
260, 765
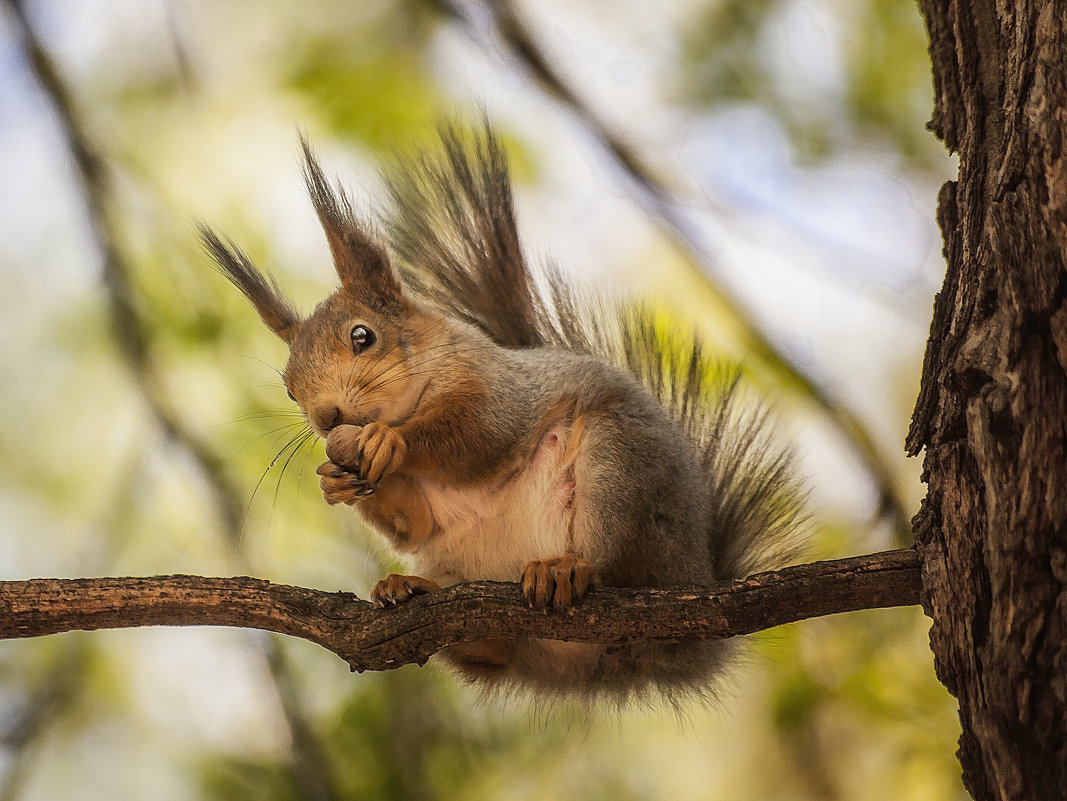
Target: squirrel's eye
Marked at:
291, 396
362, 338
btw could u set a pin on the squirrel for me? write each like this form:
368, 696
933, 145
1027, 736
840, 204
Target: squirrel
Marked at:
493, 423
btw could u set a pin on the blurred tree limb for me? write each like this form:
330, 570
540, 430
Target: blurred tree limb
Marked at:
91, 172
660, 199
382, 639
310, 769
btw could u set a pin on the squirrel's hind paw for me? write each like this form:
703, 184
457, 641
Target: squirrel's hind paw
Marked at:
558, 581
395, 589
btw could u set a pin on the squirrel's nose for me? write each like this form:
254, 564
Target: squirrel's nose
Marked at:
325, 417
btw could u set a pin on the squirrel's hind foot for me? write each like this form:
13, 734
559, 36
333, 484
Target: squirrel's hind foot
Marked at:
396, 588
558, 581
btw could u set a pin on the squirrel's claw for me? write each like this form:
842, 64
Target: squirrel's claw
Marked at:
342, 486
382, 451
396, 588
560, 581
373, 451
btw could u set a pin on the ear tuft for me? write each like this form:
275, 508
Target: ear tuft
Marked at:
361, 261
276, 310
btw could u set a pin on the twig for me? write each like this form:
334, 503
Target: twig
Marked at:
383, 639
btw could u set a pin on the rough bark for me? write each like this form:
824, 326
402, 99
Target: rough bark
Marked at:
381, 639
992, 409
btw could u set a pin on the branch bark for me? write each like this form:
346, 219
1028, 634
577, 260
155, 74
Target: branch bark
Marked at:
383, 639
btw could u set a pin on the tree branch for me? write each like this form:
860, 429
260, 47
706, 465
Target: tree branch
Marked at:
383, 639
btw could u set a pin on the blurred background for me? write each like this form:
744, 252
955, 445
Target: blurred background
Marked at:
757, 168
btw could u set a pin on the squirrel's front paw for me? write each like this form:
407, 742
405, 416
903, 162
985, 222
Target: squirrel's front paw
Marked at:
372, 451
340, 485
560, 580
395, 589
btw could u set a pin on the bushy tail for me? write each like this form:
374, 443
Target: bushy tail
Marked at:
452, 227
757, 520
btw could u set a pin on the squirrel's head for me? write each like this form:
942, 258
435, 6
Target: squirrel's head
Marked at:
352, 360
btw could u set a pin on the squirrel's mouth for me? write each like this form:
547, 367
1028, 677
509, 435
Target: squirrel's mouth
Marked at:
344, 419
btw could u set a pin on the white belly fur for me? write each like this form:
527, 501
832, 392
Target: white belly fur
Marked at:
493, 533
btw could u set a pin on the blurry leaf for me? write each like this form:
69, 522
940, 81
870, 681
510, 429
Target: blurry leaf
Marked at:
720, 57
795, 701
376, 92
890, 89
241, 780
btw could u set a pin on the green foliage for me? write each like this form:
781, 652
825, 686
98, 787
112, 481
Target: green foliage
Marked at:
372, 82
721, 58
889, 86
237, 780
378, 98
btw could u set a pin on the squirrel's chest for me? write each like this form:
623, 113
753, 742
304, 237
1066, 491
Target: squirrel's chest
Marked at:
493, 531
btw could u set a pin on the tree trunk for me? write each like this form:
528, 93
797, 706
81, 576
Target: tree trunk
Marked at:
992, 408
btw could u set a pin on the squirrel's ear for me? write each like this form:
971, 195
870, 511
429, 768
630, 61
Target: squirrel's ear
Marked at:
361, 262
274, 308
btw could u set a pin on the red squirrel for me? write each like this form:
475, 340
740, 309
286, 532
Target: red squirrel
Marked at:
495, 426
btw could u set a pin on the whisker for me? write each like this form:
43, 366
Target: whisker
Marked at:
273, 431
265, 415
293, 442
304, 439
300, 475
445, 348
383, 381
266, 364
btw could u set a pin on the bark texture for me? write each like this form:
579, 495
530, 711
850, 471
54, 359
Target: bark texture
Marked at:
992, 409
382, 639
